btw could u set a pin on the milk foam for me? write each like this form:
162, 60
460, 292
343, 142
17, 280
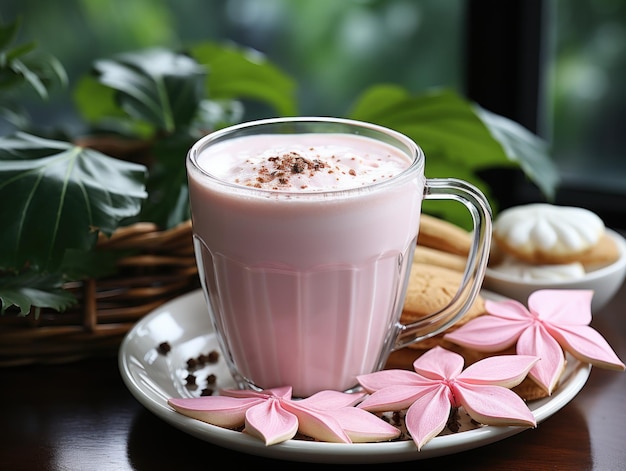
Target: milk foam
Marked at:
304, 162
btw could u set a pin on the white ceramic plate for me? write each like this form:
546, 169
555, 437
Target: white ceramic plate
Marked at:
184, 324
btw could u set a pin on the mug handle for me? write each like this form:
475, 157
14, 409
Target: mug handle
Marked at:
478, 206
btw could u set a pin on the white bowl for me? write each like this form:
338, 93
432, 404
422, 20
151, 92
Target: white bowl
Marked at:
604, 282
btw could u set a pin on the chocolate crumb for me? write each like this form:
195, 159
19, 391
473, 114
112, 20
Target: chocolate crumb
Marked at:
299, 165
280, 167
214, 356
192, 364
164, 348
396, 418
454, 423
190, 379
211, 379
207, 392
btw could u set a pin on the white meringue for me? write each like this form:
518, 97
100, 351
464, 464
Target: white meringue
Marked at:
529, 272
547, 229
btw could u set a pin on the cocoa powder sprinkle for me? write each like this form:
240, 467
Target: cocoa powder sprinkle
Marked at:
280, 168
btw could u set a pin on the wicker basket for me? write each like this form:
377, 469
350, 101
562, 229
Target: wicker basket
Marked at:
162, 266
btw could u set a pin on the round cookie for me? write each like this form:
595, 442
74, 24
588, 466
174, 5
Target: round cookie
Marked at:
547, 234
443, 235
602, 254
430, 289
430, 256
529, 390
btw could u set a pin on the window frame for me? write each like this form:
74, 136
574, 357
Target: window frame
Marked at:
507, 53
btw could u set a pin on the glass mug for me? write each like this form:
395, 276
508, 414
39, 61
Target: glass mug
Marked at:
304, 231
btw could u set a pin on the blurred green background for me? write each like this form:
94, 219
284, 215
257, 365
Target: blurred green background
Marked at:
336, 49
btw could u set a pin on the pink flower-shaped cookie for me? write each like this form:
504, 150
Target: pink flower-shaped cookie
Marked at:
274, 417
555, 320
440, 384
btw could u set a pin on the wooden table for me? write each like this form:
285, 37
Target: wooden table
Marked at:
80, 416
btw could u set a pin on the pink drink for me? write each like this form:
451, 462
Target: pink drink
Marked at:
303, 242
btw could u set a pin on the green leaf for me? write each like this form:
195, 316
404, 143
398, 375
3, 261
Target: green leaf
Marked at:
15, 115
373, 102
95, 100
156, 85
442, 123
31, 289
217, 114
452, 210
56, 196
96, 104
455, 141
19, 67
8, 33
18, 51
458, 138
31, 77
83, 264
236, 73
168, 204
526, 149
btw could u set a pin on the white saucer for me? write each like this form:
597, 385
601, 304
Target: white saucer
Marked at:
184, 324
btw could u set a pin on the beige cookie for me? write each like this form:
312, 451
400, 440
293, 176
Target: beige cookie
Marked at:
430, 289
529, 390
538, 257
602, 254
443, 235
496, 255
440, 258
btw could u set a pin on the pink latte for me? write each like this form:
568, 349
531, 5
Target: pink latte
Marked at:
303, 243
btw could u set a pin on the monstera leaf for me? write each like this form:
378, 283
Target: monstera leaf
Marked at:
157, 86
171, 99
57, 196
